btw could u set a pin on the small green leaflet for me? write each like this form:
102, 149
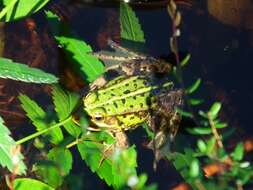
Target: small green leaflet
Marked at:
129, 24
10, 157
65, 102
27, 183
16, 9
113, 165
56, 167
38, 116
21, 72
77, 50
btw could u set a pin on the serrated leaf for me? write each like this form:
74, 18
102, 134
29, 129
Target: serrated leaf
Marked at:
194, 86
129, 24
21, 72
199, 131
63, 159
77, 50
10, 157
27, 183
238, 153
16, 9
49, 172
38, 117
64, 104
113, 165
214, 110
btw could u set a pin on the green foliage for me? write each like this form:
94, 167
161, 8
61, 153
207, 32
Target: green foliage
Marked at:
64, 103
21, 72
10, 155
194, 86
27, 183
16, 9
39, 118
76, 50
129, 24
57, 165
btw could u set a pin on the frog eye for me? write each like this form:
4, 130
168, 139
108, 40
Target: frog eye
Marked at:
98, 117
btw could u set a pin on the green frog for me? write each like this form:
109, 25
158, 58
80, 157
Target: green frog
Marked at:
140, 92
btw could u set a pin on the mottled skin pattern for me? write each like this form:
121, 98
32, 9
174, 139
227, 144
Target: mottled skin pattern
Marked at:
140, 93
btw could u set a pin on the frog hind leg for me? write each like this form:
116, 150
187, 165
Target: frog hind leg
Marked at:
164, 121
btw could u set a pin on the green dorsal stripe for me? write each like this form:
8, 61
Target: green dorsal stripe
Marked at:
135, 93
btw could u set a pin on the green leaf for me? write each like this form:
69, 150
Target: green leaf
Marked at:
194, 168
65, 102
16, 9
27, 183
184, 113
186, 60
202, 146
62, 158
21, 72
129, 24
199, 131
196, 102
49, 172
58, 165
238, 153
76, 50
112, 164
194, 86
10, 157
38, 117
214, 110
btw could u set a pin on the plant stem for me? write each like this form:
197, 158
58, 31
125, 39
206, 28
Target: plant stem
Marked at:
5, 9
34, 135
214, 131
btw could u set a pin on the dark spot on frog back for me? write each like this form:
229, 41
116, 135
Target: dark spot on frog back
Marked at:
126, 92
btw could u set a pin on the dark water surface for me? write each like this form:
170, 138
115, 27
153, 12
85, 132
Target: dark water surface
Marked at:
221, 56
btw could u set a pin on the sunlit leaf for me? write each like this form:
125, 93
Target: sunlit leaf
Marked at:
214, 110
194, 168
27, 183
76, 50
16, 9
199, 130
21, 72
238, 153
112, 164
129, 24
220, 125
186, 60
65, 102
39, 118
10, 157
201, 145
194, 86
